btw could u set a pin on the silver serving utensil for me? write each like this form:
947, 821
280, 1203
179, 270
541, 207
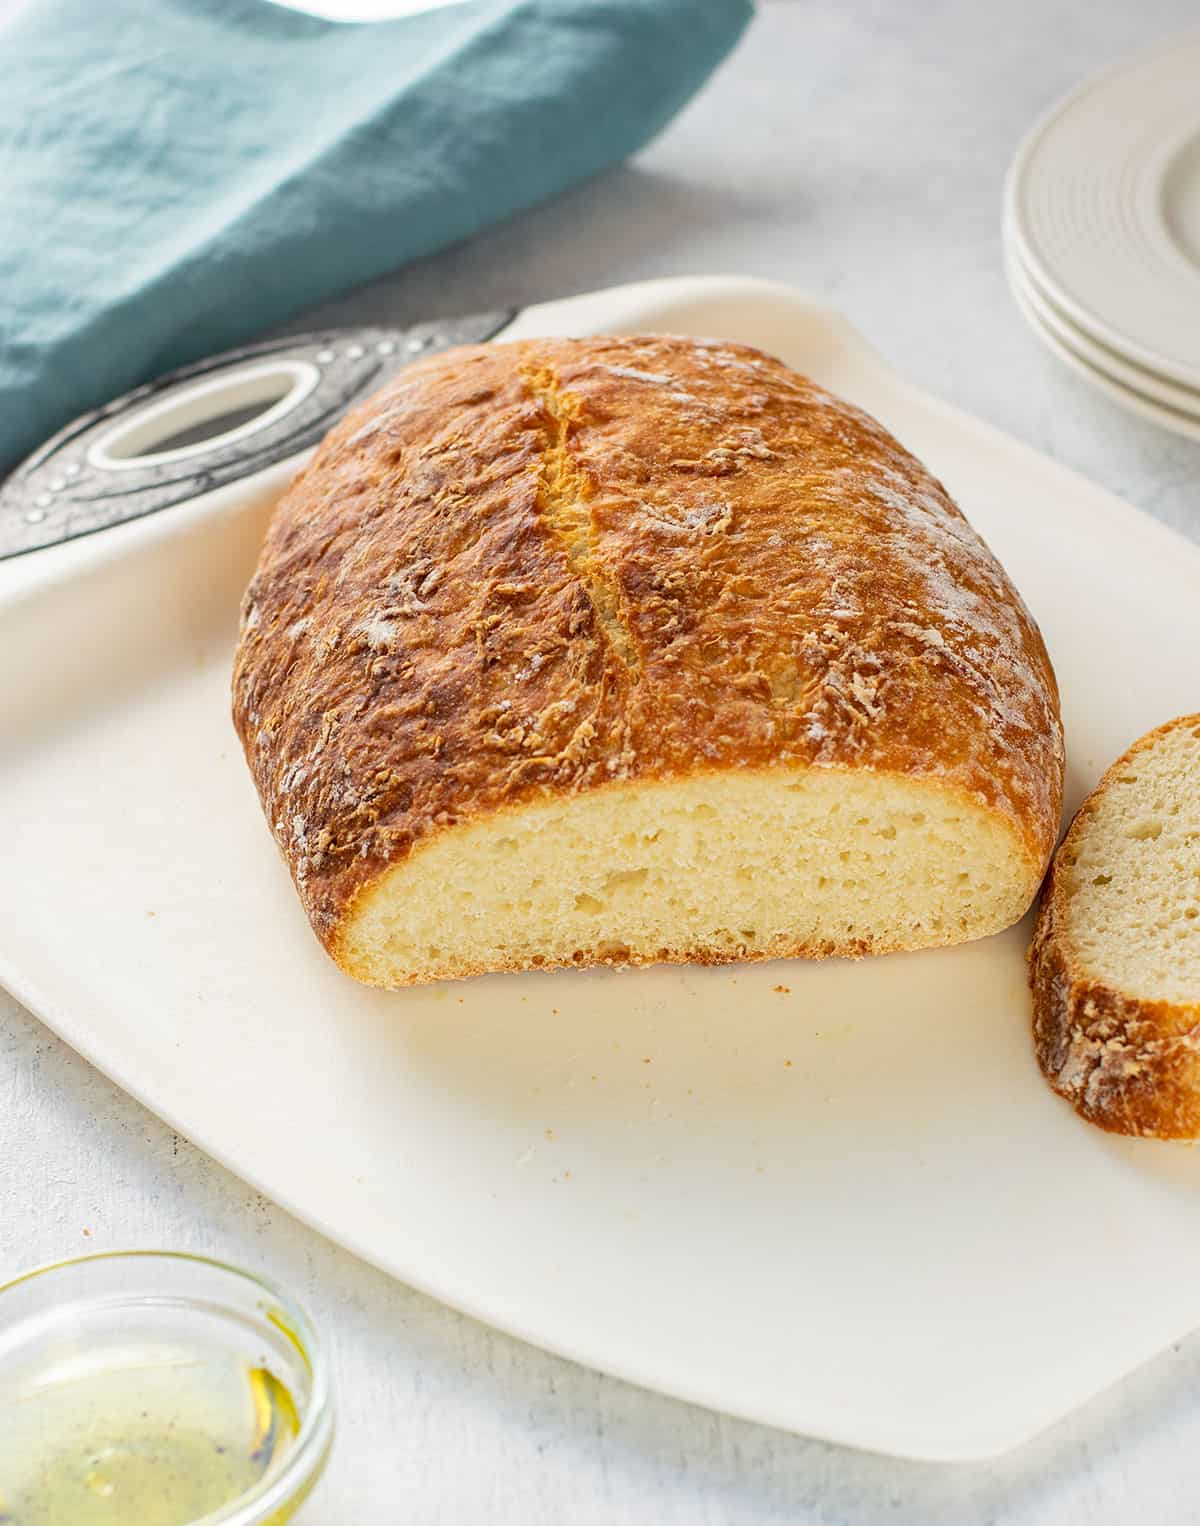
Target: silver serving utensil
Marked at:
208, 424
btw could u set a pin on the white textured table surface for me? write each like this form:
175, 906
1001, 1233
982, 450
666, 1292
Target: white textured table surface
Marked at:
856, 149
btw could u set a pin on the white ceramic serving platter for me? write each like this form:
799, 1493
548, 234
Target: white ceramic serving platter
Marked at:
835, 1197
1103, 204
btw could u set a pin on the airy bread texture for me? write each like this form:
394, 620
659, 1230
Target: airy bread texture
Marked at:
756, 865
627, 649
1115, 961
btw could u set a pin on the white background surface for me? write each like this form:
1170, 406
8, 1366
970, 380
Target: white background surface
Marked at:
858, 151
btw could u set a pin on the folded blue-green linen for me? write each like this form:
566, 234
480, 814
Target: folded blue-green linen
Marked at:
177, 175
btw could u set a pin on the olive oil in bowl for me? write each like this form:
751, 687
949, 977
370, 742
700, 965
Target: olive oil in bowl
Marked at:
138, 1435
144, 1399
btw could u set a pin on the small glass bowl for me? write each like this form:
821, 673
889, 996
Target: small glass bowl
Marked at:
62, 1319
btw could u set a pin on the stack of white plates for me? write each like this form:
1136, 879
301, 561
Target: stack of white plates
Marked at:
1102, 233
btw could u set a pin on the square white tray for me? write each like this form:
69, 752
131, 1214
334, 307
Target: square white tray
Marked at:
850, 1207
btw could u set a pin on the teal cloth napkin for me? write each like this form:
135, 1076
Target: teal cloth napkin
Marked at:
177, 175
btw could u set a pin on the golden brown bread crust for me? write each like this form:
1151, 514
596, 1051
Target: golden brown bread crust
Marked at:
1130, 1066
550, 566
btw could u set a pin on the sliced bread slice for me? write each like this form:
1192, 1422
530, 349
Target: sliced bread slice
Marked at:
1115, 961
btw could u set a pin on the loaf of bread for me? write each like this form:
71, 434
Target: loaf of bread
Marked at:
1115, 962
616, 650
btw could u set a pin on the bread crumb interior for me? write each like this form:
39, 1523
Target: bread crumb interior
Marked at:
759, 864
1133, 875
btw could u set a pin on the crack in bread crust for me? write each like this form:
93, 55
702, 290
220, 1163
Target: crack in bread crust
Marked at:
563, 493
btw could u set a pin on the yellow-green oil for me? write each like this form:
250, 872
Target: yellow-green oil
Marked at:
159, 1437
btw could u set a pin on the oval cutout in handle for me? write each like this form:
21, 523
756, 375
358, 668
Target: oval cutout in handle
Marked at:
253, 398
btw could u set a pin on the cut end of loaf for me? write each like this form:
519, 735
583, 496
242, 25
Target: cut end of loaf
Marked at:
1115, 963
787, 862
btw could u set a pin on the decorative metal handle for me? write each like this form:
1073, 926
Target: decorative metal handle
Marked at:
206, 425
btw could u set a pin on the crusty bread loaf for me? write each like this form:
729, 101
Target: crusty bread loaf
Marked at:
617, 650
1115, 961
